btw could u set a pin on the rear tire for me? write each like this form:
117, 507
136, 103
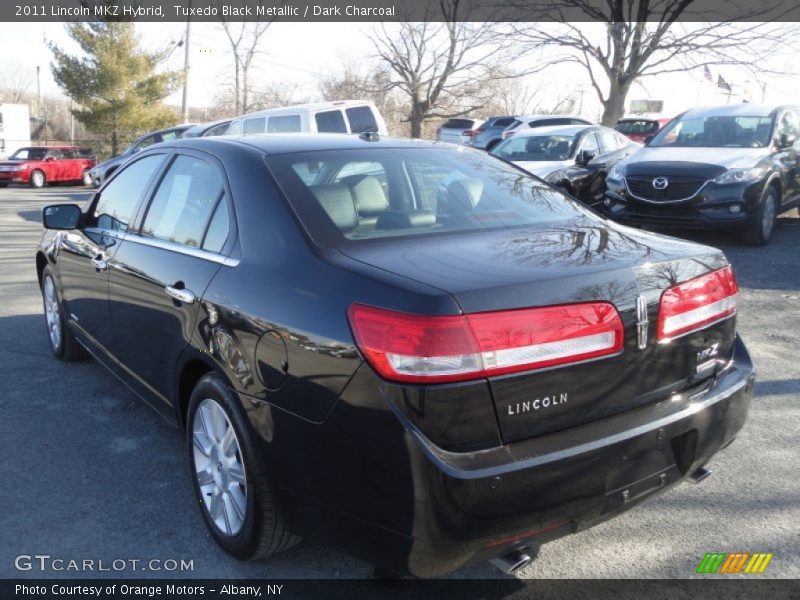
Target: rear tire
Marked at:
62, 341
760, 231
228, 475
37, 179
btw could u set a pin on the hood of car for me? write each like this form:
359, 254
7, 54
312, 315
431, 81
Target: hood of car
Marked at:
729, 158
543, 168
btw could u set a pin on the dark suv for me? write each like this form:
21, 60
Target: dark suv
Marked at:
728, 167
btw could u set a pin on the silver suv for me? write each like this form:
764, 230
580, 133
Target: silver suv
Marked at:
488, 135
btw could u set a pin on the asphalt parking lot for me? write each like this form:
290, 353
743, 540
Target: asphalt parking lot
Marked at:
90, 472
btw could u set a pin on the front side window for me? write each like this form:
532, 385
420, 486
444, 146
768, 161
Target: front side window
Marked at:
254, 125
715, 132
431, 192
168, 136
361, 119
185, 200
284, 124
331, 121
121, 195
220, 129
148, 141
589, 144
29, 154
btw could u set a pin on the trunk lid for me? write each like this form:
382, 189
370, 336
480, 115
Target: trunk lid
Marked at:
579, 261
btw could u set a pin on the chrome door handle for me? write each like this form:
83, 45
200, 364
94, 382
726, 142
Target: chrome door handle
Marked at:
99, 263
182, 296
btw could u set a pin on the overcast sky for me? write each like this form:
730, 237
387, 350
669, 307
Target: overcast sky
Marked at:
298, 53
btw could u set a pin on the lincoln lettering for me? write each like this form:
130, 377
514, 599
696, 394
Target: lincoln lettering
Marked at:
528, 406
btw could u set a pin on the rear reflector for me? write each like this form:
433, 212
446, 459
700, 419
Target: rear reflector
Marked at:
697, 303
431, 349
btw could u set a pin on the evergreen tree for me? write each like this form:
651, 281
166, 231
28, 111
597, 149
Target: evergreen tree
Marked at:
115, 81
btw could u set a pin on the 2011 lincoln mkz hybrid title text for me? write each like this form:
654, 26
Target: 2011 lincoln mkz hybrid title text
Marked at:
414, 352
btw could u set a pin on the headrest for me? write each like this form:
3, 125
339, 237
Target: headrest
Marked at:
337, 201
466, 192
397, 219
369, 196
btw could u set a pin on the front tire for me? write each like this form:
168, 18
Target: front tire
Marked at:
37, 179
761, 229
62, 341
228, 475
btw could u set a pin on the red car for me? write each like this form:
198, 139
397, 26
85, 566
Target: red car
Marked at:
39, 165
639, 129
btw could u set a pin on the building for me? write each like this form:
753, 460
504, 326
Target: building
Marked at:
15, 128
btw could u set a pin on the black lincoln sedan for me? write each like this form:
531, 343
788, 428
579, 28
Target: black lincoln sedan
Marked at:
411, 351
733, 168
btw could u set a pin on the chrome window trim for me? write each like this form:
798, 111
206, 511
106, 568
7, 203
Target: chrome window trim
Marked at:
181, 249
700, 189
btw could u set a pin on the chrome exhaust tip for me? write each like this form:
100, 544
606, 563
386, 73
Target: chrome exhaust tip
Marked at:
513, 561
700, 474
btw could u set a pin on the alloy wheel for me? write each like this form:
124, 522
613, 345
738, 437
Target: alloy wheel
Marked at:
219, 467
37, 178
52, 313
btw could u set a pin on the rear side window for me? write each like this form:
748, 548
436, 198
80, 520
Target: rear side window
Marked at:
185, 200
119, 198
235, 128
70, 153
220, 129
283, 124
609, 141
170, 135
255, 125
331, 121
361, 119
218, 228
637, 126
549, 122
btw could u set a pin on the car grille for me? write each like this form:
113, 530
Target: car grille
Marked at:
678, 188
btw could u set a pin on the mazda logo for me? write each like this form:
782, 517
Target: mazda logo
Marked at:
660, 183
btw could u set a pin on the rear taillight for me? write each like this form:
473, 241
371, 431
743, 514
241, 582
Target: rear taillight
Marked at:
507, 134
473, 132
432, 349
697, 303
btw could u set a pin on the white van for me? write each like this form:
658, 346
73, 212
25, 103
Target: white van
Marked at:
343, 116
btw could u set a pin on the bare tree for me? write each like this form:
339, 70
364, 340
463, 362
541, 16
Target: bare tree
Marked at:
15, 81
646, 38
443, 67
245, 41
515, 97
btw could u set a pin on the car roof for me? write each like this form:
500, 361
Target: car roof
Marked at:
542, 116
308, 107
286, 143
744, 109
554, 130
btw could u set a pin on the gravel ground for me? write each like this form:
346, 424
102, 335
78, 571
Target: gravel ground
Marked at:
89, 471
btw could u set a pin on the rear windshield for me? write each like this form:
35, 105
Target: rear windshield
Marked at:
638, 126
458, 124
394, 192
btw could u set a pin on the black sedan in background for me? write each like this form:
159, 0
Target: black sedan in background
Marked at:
730, 168
413, 352
575, 158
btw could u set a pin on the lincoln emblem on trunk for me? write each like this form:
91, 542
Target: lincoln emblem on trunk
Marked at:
660, 183
641, 322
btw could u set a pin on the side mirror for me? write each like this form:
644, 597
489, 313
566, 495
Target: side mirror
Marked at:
584, 157
61, 216
788, 140
49, 159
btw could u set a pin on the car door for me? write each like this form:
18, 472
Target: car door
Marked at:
54, 165
160, 272
789, 157
583, 177
83, 254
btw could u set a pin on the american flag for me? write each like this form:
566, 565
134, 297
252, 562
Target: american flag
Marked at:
707, 73
722, 84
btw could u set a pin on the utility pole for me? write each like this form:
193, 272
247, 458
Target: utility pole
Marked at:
71, 122
185, 103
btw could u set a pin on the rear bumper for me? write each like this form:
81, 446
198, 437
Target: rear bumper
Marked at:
398, 501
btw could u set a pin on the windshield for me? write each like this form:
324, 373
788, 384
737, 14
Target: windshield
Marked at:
29, 154
392, 192
536, 148
716, 132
